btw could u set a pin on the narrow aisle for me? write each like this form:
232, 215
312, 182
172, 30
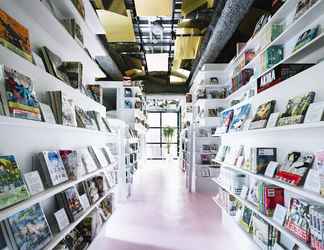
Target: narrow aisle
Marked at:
162, 215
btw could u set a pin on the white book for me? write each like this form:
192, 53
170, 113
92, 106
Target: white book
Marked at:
315, 112
47, 113
61, 219
34, 182
87, 160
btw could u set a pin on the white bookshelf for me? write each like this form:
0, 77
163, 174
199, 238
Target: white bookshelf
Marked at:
306, 137
269, 220
24, 138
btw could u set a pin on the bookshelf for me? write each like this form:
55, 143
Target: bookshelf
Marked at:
26, 138
304, 137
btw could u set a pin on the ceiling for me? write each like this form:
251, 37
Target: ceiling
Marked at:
172, 34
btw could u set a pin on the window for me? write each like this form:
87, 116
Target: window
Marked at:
156, 144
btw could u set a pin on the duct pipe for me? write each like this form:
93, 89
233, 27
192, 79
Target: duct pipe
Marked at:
232, 14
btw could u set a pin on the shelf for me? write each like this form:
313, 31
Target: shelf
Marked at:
6, 121
294, 128
249, 236
46, 194
293, 189
44, 81
210, 101
60, 236
269, 220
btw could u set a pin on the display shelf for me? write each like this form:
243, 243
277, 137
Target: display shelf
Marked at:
6, 121
208, 101
38, 18
44, 81
248, 236
296, 128
44, 195
269, 220
291, 30
308, 195
60, 236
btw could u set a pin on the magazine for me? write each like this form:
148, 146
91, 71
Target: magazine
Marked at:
18, 96
12, 186
28, 229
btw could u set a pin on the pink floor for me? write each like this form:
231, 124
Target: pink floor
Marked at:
162, 215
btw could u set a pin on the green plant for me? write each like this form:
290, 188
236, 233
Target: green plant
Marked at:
168, 133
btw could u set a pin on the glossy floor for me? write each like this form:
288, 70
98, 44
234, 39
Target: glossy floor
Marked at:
162, 215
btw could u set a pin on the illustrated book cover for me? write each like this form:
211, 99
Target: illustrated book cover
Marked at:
12, 186
15, 36
227, 117
95, 91
52, 168
28, 229
17, 95
262, 115
239, 118
70, 200
72, 163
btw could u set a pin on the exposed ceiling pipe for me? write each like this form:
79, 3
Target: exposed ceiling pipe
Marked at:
231, 16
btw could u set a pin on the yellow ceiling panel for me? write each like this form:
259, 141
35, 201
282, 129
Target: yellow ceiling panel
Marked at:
189, 6
187, 47
153, 7
118, 28
116, 6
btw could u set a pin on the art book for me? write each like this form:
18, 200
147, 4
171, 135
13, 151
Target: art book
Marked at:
262, 115
240, 116
12, 186
52, 168
17, 95
14, 36
84, 119
28, 229
72, 163
71, 201
296, 109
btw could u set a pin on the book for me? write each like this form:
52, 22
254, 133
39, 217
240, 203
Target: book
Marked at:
128, 92
295, 168
319, 166
109, 156
92, 190
262, 115
63, 108
302, 7
72, 163
98, 156
52, 168
306, 37
85, 119
15, 36
212, 113
227, 117
315, 112
34, 182
17, 95
28, 228
53, 63
106, 208
296, 109
220, 156
74, 29
273, 120
47, 113
96, 92
79, 5
62, 219
272, 56
246, 219
262, 232
73, 71
239, 117
279, 74
84, 201
12, 186
269, 196
261, 157
70, 200
297, 221
87, 160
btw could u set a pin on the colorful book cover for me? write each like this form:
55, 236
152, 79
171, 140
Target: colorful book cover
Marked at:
263, 156
14, 36
240, 116
95, 91
18, 95
12, 186
29, 228
227, 117
72, 164
84, 120
298, 219
73, 203
306, 37
262, 115
54, 167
